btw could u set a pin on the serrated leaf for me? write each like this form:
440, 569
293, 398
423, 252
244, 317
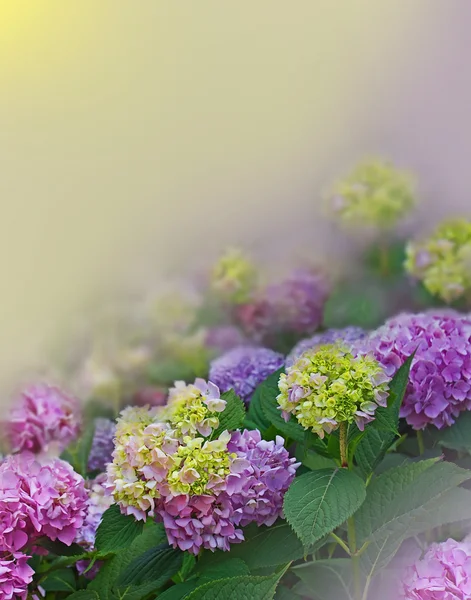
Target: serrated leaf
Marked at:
458, 435
116, 530
233, 415
318, 502
231, 567
77, 453
180, 591
397, 500
255, 413
155, 566
326, 579
238, 588
381, 433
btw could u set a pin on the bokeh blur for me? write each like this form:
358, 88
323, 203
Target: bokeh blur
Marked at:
140, 138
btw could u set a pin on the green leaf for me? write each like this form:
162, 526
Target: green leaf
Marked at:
381, 433
153, 535
116, 531
60, 581
77, 453
255, 413
457, 436
231, 567
238, 588
361, 303
398, 501
178, 592
84, 595
155, 566
268, 391
318, 502
60, 549
188, 565
233, 415
326, 579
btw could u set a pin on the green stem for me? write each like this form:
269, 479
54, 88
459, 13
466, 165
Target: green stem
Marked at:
352, 544
343, 445
420, 442
341, 543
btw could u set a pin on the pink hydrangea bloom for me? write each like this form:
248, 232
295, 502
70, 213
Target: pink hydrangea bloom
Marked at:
257, 492
444, 573
43, 417
40, 500
196, 522
440, 377
15, 576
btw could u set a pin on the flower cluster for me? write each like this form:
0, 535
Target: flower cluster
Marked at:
439, 385
443, 261
43, 419
375, 194
243, 369
168, 464
36, 500
329, 385
102, 445
234, 277
444, 572
348, 336
293, 305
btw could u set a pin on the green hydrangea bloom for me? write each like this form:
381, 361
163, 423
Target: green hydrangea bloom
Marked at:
374, 194
234, 277
200, 467
328, 385
443, 260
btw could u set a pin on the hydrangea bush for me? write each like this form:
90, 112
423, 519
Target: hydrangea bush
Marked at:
269, 439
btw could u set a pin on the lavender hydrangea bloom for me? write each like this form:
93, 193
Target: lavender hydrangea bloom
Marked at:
39, 500
102, 446
443, 573
243, 369
15, 576
257, 492
195, 522
294, 305
348, 336
440, 378
43, 418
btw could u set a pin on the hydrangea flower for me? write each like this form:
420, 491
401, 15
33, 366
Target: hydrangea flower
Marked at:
328, 386
439, 385
257, 492
15, 576
443, 260
39, 500
224, 338
443, 573
151, 396
233, 277
44, 417
195, 522
347, 336
102, 445
243, 369
294, 305
194, 408
374, 194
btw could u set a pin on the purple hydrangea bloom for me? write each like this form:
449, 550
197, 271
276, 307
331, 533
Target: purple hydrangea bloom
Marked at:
294, 305
195, 522
224, 338
43, 418
243, 369
39, 500
15, 576
257, 492
439, 385
348, 336
102, 446
444, 573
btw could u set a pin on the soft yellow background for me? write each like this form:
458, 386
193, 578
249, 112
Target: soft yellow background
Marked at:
140, 136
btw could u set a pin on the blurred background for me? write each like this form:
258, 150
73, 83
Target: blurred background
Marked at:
138, 139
